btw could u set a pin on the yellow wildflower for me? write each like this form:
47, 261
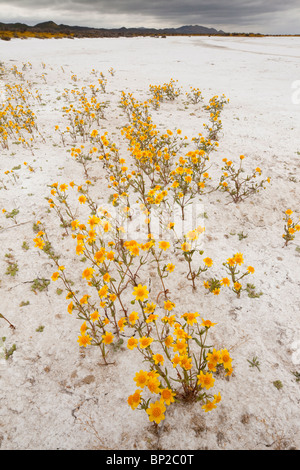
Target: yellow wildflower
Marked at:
164, 245
94, 316
185, 246
238, 258
140, 292
55, 276
168, 305
88, 273
134, 400
208, 262
133, 317
132, 343
108, 338
205, 380
84, 340
190, 318
209, 405
145, 342
207, 323
156, 412
158, 358
141, 378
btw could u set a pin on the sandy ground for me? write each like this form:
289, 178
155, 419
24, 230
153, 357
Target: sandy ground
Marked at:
54, 395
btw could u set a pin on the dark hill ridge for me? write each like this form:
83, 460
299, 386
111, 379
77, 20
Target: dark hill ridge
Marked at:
84, 31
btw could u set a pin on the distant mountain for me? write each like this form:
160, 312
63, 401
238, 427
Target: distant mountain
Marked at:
195, 30
84, 31
47, 25
14, 27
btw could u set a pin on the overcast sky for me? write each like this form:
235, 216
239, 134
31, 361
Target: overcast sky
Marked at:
262, 16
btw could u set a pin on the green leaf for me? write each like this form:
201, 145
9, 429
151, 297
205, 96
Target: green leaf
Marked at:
197, 341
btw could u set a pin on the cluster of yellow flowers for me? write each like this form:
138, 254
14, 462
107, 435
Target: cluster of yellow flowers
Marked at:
118, 299
7, 35
83, 112
232, 266
13, 176
102, 82
22, 95
172, 360
214, 107
188, 247
113, 267
236, 184
194, 96
14, 70
133, 108
17, 120
290, 227
154, 155
168, 91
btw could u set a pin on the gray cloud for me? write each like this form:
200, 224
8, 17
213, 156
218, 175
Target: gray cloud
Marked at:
275, 17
